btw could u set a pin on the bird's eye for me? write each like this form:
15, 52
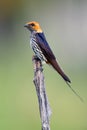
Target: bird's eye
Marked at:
32, 24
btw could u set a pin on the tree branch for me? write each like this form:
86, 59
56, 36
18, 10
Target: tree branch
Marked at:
44, 107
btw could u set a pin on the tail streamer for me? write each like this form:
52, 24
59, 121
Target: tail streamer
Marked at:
81, 99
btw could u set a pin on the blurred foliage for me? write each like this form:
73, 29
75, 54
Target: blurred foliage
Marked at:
10, 6
65, 26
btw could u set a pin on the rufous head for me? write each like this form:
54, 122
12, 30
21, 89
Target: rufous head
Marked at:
33, 26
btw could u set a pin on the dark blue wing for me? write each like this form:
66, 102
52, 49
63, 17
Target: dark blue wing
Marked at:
47, 52
44, 46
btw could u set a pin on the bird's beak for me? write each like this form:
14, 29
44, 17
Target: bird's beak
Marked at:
26, 25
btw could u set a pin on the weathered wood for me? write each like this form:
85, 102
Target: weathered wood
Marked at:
44, 107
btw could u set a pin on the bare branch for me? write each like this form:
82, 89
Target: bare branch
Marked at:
44, 107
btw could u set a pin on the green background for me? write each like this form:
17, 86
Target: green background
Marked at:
65, 26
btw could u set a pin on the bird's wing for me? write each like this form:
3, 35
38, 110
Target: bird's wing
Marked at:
47, 52
44, 46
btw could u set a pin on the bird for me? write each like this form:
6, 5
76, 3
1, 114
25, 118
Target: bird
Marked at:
43, 51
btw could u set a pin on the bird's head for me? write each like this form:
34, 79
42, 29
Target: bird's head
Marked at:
33, 26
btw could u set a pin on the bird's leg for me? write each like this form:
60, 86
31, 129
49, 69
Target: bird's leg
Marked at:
38, 63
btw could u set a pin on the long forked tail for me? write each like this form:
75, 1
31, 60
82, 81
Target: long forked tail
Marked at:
64, 76
75, 92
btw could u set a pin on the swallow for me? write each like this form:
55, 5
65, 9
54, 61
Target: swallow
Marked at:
43, 51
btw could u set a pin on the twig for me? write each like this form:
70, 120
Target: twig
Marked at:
44, 107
